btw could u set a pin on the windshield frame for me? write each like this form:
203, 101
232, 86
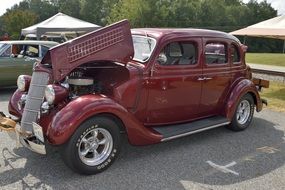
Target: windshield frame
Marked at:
151, 53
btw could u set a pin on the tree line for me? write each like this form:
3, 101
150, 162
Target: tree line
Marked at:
224, 15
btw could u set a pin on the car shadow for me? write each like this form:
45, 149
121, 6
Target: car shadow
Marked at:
257, 151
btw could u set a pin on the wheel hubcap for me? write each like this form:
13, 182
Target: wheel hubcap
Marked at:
95, 147
243, 112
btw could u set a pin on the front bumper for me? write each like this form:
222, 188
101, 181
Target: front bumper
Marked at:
31, 140
35, 141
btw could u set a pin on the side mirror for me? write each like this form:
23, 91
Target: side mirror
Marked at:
162, 59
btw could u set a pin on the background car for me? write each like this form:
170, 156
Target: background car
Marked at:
18, 57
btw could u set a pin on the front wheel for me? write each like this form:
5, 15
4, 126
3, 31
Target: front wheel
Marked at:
93, 147
243, 114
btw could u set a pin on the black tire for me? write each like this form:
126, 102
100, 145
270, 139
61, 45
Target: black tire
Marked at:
70, 151
238, 124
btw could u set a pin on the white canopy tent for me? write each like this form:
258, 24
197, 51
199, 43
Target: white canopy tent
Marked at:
60, 23
271, 28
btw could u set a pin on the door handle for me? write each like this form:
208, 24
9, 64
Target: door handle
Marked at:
204, 78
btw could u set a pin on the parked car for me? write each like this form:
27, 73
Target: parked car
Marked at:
18, 57
154, 85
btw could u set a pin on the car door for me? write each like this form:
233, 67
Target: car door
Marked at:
216, 76
19, 61
174, 88
7, 72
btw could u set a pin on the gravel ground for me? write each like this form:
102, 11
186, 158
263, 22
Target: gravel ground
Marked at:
255, 160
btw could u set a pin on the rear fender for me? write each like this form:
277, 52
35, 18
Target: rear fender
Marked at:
68, 119
241, 88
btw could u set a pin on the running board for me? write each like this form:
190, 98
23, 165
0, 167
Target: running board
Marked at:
170, 132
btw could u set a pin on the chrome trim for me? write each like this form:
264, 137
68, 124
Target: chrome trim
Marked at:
196, 131
29, 123
80, 81
38, 85
150, 54
38, 148
34, 100
30, 110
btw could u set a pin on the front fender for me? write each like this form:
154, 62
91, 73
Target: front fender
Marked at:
13, 104
68, 119
243, 87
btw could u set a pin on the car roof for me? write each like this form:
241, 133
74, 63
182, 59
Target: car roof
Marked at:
182, 32
30, 42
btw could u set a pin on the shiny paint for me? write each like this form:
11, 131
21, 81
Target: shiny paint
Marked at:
112, 43
13, 104
153, 95
61, 93
242, 87
174, 90
66, 121
217, 81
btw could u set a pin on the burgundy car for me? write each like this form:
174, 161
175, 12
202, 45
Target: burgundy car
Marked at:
153, 85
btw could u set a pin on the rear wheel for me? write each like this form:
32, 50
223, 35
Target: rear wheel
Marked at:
93, 147
243, 114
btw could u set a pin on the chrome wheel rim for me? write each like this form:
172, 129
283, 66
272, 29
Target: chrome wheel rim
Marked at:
243, 112
95, 146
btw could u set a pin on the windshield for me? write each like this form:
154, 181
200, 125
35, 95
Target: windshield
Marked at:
143, 47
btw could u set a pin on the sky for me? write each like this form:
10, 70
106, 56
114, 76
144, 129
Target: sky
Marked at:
277, 4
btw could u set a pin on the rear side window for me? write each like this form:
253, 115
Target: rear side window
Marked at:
180, 53
235, 54
6, 51
216, 53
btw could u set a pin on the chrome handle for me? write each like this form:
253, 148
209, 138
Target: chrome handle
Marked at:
201, 79
208, 78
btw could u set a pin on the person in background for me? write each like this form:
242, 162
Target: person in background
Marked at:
44, 38
63, 37
5, 37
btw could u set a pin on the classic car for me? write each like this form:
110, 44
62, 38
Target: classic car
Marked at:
18, 57
149, 85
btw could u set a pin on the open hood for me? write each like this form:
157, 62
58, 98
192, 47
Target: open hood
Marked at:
111, 43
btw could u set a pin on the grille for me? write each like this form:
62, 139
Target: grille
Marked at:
34, 100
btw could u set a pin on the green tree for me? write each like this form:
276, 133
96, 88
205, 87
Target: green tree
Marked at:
16, 20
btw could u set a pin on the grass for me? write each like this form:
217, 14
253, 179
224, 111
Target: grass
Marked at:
277, 59
275, 96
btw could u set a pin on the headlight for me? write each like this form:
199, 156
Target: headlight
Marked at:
23, 82
50, 94
54, 94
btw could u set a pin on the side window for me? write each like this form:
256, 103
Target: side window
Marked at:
32, 51
216, 53
44, 50
235, 54
16, 49
179, 53
6, 52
